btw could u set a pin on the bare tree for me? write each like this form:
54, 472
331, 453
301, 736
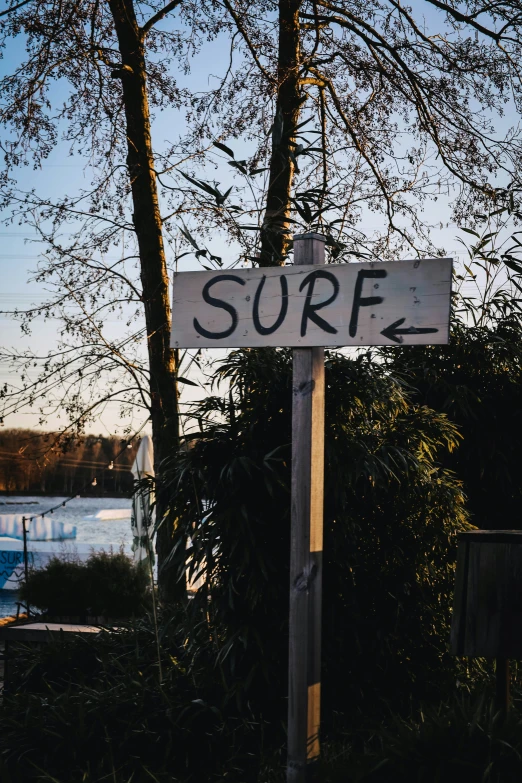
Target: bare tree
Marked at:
115, 62
371, 109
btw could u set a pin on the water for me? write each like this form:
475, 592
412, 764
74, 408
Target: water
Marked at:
8, 599
110, 533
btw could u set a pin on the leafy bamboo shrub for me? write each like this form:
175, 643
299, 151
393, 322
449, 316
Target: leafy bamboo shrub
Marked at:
108, 584
390, 518
477, 381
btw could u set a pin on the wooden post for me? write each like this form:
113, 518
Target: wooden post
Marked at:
24, 535
306, 554
26, 559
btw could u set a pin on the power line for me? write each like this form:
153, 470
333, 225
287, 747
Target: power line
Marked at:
93, 481
60, 463
19, 256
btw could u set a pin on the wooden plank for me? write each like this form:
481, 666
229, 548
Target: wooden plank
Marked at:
304, 667
487, 619
399, 302
39, 632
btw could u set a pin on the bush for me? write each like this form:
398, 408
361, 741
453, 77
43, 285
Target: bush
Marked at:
107, 585
477, 381
93, 709
390, 519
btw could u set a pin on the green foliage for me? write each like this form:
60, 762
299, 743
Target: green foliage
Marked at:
477, 381
460, 739
108, 584
93, 709
390, 518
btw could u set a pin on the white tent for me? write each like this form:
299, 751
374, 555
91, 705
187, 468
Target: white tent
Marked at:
142, 517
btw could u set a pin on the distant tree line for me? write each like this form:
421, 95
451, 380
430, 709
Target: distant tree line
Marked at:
32, 462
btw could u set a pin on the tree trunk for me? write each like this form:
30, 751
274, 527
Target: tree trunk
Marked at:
276, 225
154, 277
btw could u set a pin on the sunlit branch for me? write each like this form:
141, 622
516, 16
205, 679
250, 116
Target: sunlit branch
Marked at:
157, 17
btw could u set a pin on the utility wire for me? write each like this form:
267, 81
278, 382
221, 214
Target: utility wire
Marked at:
93, 481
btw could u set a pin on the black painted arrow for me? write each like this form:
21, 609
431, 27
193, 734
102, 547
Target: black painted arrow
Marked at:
392, 331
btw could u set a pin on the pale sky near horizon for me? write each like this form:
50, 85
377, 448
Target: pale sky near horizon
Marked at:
60, 173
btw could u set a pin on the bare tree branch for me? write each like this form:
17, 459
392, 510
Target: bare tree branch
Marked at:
14, 8
241, 27
157, 17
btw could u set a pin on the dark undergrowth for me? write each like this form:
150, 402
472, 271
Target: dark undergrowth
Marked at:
460, 739
97, 709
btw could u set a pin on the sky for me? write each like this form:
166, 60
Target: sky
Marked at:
19, 253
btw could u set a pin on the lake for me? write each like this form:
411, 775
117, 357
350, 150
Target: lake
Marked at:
106, 532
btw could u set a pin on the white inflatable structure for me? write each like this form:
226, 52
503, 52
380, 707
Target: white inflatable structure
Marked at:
111, 513
46, 538
38, 529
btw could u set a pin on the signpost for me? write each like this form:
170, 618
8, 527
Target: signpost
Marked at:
306, 543
302, 306
308, 306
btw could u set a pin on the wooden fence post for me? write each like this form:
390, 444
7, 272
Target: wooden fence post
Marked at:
26, 561
306, 554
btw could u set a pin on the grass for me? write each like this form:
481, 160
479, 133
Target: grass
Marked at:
461, 739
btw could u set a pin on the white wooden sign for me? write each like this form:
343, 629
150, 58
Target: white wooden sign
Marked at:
389, 303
